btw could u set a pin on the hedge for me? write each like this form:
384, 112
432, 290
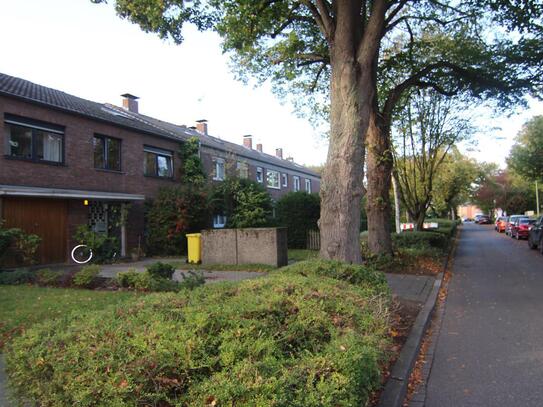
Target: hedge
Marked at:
424, 238
299, 212
282, 340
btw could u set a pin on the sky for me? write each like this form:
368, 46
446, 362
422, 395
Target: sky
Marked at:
86, 50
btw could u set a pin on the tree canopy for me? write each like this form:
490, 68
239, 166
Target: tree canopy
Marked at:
526, 156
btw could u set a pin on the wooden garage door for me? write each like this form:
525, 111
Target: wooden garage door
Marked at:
43, 217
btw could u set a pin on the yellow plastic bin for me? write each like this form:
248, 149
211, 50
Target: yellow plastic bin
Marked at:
194, 242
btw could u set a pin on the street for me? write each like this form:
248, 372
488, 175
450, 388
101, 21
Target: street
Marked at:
489, 351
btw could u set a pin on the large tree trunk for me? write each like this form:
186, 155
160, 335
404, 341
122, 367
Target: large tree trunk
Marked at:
421, 217
379, 167
342, 188
353, 51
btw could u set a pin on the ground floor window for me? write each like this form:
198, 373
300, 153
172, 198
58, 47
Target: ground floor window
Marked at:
219, 221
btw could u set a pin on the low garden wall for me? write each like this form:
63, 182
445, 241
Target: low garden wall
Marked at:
245, 246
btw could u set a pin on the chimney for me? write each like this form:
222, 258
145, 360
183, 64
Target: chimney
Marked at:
259, 147
279, 153
201, 126
130, 102
290, 159
248, 141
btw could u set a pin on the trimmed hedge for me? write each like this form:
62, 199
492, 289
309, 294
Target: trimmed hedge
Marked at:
276, 341
425, 238
299, 212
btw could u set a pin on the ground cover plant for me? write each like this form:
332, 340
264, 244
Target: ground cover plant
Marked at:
287, 339
23, 306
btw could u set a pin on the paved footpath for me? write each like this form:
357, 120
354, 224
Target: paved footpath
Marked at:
490, 347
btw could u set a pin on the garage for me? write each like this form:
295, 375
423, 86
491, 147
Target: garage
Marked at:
46, 218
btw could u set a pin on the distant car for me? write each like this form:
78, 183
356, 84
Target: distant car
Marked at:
483, 220
501, 222
510, 221
535, 235
521, 227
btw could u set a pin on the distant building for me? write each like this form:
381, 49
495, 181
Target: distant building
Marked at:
469, 211
67, 161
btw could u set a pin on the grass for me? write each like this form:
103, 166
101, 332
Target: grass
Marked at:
302, 254
23, 306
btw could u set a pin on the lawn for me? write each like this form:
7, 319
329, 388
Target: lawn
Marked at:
23, 306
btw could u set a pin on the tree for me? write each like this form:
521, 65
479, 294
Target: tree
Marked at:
192, 169
426, 133
344, 49
245, 203
453, 183
526, 157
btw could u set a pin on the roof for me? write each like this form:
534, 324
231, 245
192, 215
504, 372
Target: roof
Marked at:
41, 95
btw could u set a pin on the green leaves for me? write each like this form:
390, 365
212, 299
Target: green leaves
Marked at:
526, 156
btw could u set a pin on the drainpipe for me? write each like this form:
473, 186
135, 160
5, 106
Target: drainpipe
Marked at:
537, 197
123, 230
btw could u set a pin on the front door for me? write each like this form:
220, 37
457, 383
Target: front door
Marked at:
46, 218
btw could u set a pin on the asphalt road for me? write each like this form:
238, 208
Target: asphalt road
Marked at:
490, 347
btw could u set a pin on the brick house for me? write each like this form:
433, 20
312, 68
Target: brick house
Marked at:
67, 161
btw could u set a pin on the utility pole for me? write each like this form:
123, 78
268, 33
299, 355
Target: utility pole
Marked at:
537, 197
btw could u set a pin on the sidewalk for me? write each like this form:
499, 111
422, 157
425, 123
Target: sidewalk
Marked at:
409, 287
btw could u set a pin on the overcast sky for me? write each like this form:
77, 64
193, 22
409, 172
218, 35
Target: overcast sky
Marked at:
86, 50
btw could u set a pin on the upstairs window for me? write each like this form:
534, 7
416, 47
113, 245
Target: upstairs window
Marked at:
157, 162
296, 183
259, 174
33, 140
273, 179
243, 169
308, 186
218, 171
107, 153
285, 180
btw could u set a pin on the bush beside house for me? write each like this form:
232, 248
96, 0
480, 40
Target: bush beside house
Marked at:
299, 212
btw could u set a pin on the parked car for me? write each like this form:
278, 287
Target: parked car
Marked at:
520, 228
501, 223
510, 221
483, 220
535, 235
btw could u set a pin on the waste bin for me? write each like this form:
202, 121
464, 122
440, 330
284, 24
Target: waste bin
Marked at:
194, 242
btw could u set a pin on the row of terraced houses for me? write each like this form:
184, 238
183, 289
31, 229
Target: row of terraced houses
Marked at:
66, 161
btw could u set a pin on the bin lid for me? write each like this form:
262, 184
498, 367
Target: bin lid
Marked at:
193, 234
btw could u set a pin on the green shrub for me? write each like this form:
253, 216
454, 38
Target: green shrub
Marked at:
426, 238
299, 212
103, 246
86, 276
144, 281
192, 279
245, 203
356, 274
161, 270
18, 247
16, 277
276, 341
175, 212
48, 277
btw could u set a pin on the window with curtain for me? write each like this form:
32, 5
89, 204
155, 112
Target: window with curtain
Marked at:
33, 140
107, 153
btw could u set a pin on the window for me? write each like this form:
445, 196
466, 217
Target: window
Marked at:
157, 162
219, 221
107, 153
259, 174
285, 180
273, 179
296, 183
29, 139
308, 185
243, 169
218, 172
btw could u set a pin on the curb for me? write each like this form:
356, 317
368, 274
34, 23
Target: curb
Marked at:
395, 389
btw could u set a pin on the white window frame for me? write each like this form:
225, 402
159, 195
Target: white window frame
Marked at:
259, 174
296, 183
308, 185
284, 180
275, 178
219, 221
217, 176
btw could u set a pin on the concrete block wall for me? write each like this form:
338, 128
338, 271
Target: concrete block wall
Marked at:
245, 246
